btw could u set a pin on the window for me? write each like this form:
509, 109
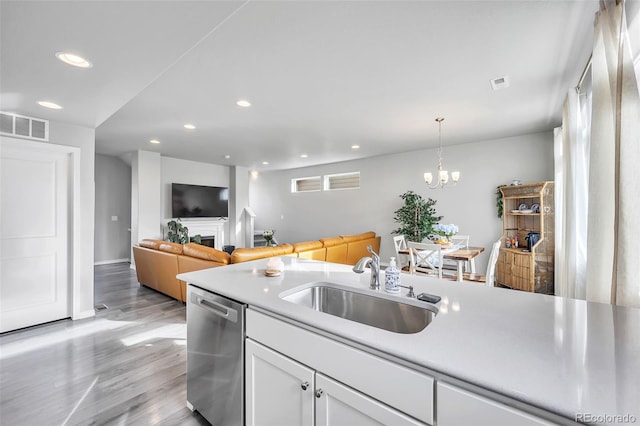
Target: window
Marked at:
342, 181
307, 184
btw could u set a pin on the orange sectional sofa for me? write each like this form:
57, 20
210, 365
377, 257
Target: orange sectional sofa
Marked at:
158, 262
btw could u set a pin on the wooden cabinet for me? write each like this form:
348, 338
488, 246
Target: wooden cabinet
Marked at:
517, 267
281, 391
460, 407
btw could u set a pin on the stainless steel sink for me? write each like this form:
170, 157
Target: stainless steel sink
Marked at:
385, 312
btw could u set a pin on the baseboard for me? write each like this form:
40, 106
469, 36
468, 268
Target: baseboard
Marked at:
84, 314
108, 262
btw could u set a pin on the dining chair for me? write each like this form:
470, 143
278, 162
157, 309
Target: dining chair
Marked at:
490, 276
400, 243
425, 259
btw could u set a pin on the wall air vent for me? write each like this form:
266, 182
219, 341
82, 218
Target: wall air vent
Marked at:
500, 83
24, 127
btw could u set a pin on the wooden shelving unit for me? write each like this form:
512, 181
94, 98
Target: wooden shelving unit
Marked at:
518, 268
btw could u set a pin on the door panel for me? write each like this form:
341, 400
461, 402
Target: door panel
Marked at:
34, 279
459, 407
340, 405
275, 395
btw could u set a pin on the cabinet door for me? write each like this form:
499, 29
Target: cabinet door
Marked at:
339, 405
457, 407
274, 388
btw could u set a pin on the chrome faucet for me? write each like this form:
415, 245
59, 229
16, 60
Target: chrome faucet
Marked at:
374, 264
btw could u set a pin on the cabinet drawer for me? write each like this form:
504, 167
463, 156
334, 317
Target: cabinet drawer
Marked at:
395, 385
459, 407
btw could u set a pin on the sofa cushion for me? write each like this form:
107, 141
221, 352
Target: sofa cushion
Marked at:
246, 254
316, 254
149, 243
306, 246
358, 249
207, 253
174, 248
285, 248
330, 242
358, 237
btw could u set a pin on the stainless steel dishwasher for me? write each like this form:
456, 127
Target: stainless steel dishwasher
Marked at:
215, 357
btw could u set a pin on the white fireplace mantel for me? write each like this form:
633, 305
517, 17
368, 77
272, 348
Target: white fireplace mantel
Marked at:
206, 227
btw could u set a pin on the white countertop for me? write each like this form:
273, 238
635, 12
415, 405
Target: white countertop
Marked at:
563, 355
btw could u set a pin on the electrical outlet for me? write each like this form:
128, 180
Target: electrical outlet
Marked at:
114, 218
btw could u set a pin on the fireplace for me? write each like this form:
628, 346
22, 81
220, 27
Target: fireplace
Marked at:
208, 240
211, 230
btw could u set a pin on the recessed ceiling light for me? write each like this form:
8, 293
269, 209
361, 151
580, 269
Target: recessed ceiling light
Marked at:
243, 103
154, 141
265, 163
50, 105
227, 156
75, 60
303, 155
355, 146
189, 126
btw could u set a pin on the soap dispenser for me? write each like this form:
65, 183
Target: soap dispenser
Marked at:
392, 277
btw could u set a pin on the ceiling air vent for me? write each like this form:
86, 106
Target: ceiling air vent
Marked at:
24, 127
500, 83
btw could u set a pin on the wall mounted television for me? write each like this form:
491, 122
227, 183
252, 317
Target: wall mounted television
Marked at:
199, 201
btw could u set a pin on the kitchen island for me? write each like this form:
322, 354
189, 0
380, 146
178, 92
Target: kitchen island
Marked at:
549, 359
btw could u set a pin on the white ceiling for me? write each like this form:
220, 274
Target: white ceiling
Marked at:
321, 75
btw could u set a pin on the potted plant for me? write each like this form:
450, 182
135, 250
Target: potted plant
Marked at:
268, 236
416, 217
178, 233
445, 232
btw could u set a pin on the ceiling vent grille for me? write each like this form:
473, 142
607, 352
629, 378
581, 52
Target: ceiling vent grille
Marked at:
500, 83
24, 127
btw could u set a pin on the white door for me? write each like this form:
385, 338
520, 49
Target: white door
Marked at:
279, 391
34, 241
339, 405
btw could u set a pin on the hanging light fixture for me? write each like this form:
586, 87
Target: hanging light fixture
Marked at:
443, 175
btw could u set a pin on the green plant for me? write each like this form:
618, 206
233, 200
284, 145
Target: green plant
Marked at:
416, 217
499, 203
178, 233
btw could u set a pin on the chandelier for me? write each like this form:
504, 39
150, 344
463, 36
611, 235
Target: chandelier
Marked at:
443, 175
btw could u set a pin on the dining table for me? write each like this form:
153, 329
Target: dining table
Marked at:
460, 255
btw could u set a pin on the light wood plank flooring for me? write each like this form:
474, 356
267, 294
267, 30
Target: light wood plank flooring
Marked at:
126, 366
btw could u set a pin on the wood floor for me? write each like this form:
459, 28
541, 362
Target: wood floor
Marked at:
126, 366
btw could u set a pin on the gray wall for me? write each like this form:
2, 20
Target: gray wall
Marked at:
113, 198
470, 205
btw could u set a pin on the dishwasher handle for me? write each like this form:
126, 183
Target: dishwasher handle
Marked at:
215, 308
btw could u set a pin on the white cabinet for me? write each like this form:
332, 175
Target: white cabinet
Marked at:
339, 405
458, 407
278, 391
396, 386
283, 392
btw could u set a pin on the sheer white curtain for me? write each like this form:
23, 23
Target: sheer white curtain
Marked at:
598, 173
613, 252
572, 192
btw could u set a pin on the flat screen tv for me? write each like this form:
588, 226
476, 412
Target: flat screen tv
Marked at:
199, 201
